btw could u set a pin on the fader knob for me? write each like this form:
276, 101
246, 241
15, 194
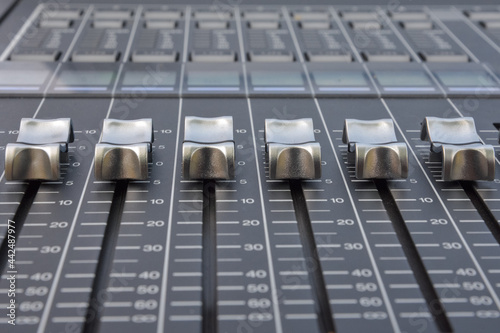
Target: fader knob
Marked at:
208, 148
291, 149
455, 142
124, 149
40, 148
372, 145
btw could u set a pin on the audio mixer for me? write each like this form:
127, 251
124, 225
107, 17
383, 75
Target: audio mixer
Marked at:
242, 167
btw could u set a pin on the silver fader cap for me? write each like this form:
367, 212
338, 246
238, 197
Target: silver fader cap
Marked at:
124, 149
208, 148
291, 149
40, 148
372, 145
455, 142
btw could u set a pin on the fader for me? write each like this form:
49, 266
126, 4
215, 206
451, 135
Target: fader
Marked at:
40, 148
124, 149
291, 150
373, 147
456, 143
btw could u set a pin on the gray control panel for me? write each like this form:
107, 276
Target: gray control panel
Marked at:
204, 169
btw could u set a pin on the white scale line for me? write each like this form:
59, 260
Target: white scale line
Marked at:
353, 47
132, 34
274, 292
477, 30
71, 46
164, 282
452, 35
398, 35
21, 32
410, 49
242, 49
460, 43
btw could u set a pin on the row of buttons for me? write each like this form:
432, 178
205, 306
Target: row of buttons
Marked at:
262, 15
161, 22
208, 150
151, 56
258, 25
124, 14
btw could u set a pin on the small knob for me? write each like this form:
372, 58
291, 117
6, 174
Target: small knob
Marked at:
124, 149
208, 148
455, 142
372, 146
291, 149
42, 144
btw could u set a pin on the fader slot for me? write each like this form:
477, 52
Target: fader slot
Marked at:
373, 148
105, 260
18, 220
419, 271
208, 155
293, 154
482, 208
209, 258
315, 271
122, 154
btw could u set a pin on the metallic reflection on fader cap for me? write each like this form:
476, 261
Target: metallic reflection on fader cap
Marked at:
124, 150
455, 142
208, 148
373, 146
41, 146
291, 149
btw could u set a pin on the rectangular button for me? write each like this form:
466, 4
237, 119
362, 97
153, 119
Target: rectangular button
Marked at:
62, 14
315, 25
417, 25
35, 55
491, 24
113, 14
328, 56
213, 56
311, 16
154, 56
107, 24
365, 25
444, 56
484, 16
409, 16
212, 15
163, 15
55, 24
160, 24
271, 56
271, 16
361, 16
264, 25
210, 25
386, 56
95, 56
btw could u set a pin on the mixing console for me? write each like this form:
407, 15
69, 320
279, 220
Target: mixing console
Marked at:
251, 168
